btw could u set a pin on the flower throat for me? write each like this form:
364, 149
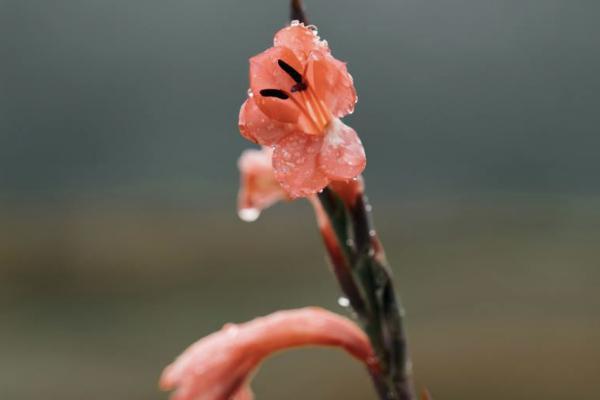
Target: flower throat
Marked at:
303, 97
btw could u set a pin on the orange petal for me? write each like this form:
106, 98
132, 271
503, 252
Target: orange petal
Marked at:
342, 156
265, 73
258, 128
219, 366
300, 39
295, 162
332, 83
258, 187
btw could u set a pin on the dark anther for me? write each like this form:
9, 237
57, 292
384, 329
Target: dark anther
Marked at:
298, 87
280, 94
296, 76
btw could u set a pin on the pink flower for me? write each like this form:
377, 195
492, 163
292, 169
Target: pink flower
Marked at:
298, 93
219, 366
258, 187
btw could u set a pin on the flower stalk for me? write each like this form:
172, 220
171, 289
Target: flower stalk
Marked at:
364, 276
297, 11
364, 270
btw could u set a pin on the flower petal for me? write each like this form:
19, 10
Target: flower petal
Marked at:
219, 366
259, 128
342, 156
332, 83
265, 73
258, 187
300, 39
295, 163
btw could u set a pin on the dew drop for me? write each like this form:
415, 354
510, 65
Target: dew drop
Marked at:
343, 302
249, 214
250, 93
231, 330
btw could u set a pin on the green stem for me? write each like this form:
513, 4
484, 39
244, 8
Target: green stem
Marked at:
380, 311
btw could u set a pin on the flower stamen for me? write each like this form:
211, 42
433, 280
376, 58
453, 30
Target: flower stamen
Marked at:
323, 112
283, 95
280, 94
291, 71
312, 107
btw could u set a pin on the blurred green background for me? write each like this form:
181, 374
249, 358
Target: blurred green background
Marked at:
119, 242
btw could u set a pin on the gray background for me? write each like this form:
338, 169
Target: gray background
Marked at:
119, 244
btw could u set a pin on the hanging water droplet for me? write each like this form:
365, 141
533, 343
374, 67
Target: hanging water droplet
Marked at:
343, 302
249, 214
250, 93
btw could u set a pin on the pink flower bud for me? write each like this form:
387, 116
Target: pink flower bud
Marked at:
258, 187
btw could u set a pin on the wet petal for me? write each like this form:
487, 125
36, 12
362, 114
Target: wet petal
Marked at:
342, 155
300, 39
265, 73
295, 163
219, 366
332, 83
259, 128
258, 187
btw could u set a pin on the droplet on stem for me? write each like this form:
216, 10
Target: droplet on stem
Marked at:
343, 302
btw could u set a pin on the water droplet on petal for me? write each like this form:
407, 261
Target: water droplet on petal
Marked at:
343, 302
232, 330
249, 214
250, 93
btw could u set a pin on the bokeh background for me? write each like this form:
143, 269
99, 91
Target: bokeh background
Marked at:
119, 241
